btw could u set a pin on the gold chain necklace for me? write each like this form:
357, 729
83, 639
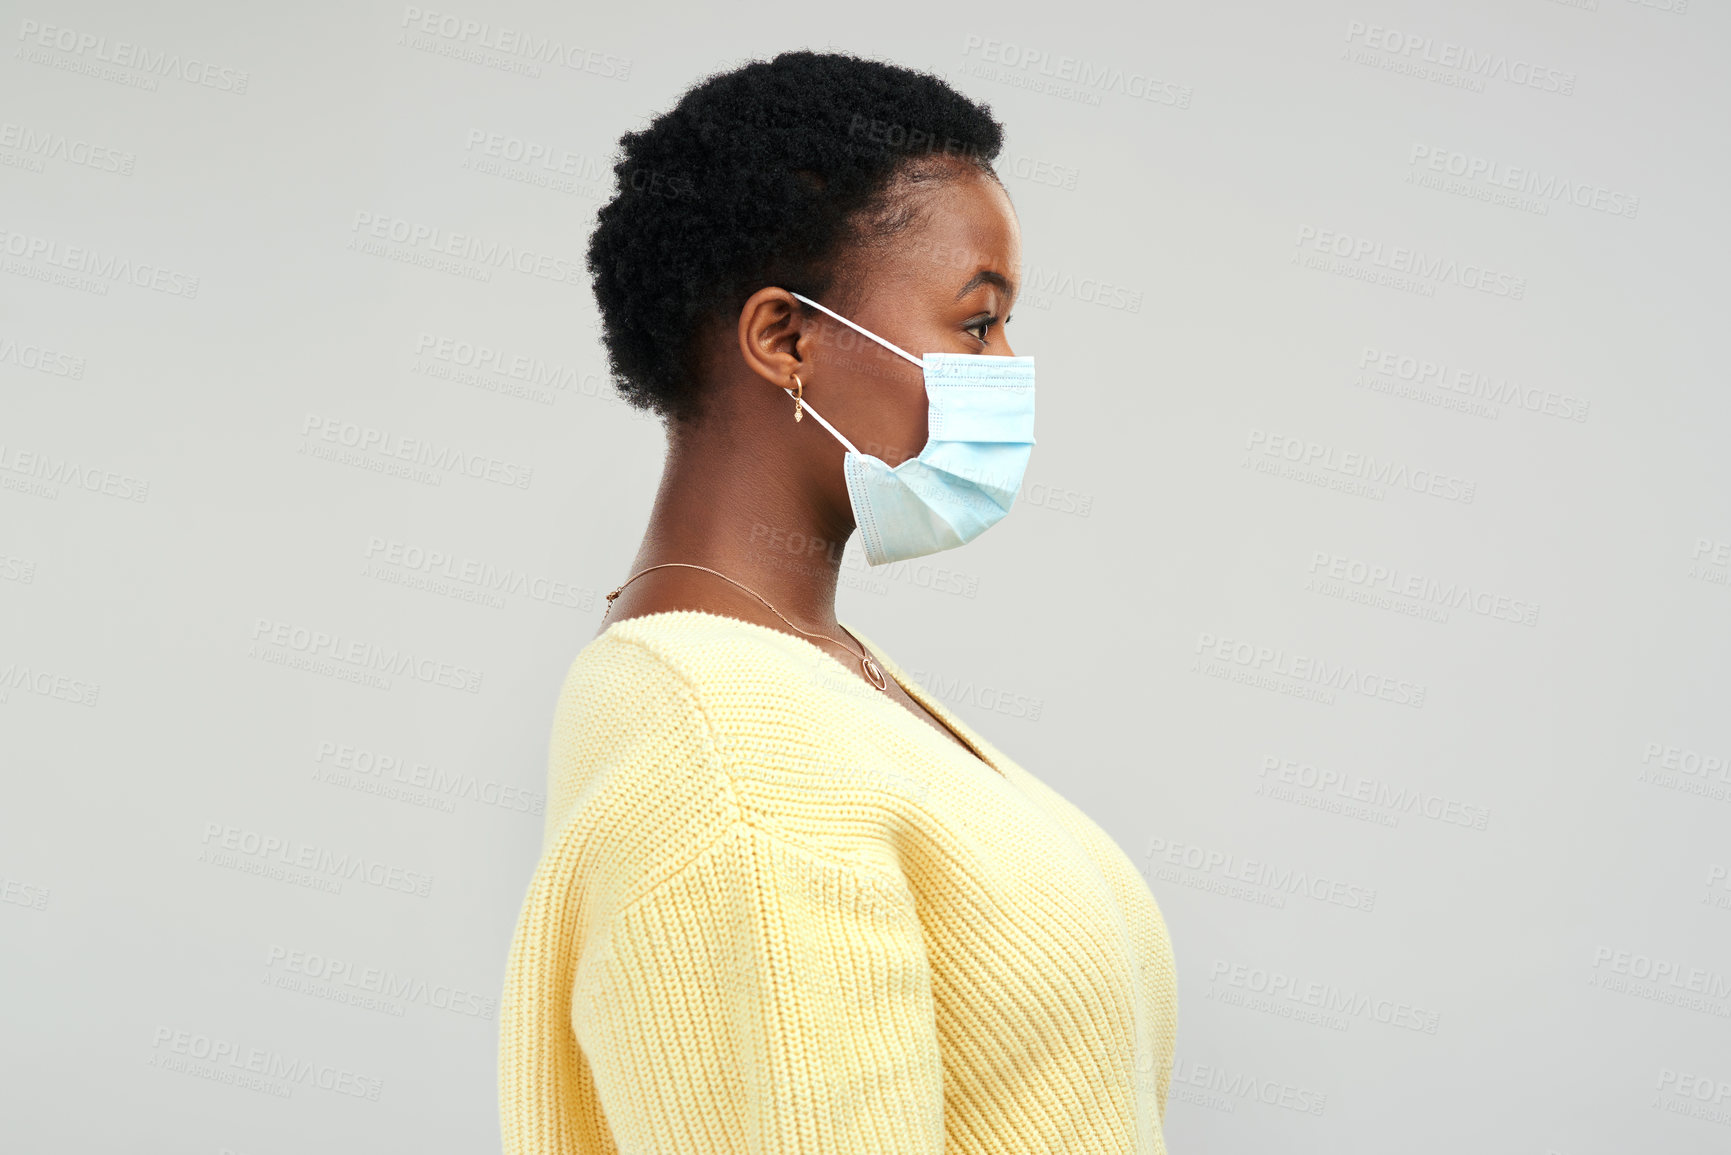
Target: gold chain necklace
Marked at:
873, 673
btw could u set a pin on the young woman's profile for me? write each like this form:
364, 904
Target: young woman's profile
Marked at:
787, 901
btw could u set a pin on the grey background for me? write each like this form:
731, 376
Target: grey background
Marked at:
1529, 946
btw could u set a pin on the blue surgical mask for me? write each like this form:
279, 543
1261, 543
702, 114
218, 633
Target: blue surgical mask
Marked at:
980, 431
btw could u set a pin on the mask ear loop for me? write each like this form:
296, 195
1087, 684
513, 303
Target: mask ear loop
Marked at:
818, 417
834, 432
862, 331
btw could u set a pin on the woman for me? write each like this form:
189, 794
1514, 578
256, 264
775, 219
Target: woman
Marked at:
787, 901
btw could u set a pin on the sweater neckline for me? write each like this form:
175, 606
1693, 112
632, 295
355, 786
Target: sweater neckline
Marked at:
973, 742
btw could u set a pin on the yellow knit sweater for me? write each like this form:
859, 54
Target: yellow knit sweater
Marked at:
776, 912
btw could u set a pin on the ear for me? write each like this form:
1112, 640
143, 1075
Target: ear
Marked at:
772, 330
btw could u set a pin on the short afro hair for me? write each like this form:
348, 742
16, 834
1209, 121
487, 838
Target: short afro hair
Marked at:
760, 176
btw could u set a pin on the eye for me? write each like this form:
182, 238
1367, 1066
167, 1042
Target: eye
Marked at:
982, 328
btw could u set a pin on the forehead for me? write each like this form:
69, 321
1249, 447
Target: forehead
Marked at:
962, 225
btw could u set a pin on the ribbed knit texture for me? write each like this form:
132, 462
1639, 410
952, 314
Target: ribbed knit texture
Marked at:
777, 912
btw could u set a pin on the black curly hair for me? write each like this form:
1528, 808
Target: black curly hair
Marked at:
762, 176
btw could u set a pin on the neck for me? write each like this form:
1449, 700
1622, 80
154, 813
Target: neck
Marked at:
725, 502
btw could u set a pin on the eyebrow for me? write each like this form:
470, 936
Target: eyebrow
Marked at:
987, 277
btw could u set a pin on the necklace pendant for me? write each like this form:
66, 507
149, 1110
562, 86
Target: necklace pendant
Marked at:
873, 674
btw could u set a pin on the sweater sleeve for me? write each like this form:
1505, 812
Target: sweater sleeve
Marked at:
765, 999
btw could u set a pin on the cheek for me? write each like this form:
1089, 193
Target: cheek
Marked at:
887, 411
904, 426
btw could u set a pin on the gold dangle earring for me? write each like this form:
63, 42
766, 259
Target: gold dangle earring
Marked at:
798, 397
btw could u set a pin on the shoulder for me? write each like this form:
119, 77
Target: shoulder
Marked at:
634, 778
698, 654
738, 675
621, 702
713, 650
670, 728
